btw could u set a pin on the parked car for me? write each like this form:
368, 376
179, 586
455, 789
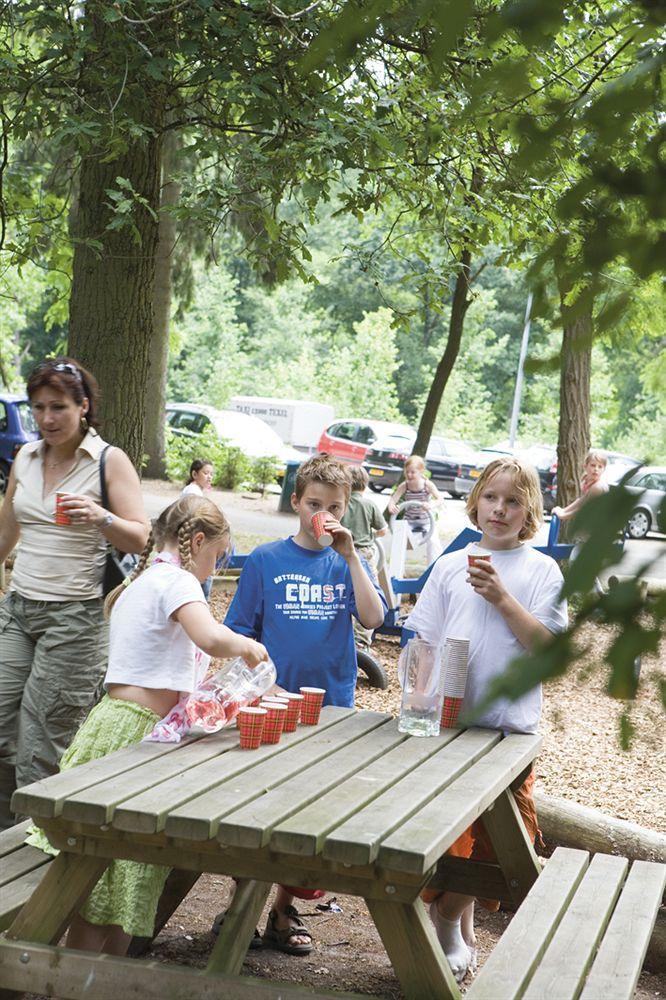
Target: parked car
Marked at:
17, 427
464, 483
649, 514
350, 439
446, 460
255, 438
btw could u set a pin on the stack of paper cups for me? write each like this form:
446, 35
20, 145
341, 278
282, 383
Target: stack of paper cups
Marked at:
456, 657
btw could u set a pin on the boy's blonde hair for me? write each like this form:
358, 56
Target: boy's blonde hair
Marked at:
323, 469
177, 523
527, 488
417, 461
598, 455
359, 478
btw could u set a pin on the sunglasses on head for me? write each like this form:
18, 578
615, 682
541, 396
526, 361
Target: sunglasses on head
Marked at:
61, 366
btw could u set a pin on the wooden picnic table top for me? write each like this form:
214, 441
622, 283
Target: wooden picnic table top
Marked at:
352, 789
351, 805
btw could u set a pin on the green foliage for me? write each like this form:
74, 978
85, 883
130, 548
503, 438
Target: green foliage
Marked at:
263, 473
231, 468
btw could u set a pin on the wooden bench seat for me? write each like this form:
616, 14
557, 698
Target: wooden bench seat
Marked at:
21, 870
582, 931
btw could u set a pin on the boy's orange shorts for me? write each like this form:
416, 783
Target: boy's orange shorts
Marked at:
475, 843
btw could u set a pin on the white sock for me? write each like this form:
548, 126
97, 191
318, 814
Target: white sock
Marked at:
453, 944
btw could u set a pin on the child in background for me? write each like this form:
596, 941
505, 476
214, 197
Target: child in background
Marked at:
593, 484
366, 523
417, 488
504, 607
200, 479
299, 598
157, 623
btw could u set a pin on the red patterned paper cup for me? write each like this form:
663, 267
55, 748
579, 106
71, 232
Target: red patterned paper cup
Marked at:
251, 722
450, 712
61, 515
322, 536
313, 699
294, 705
275, 719
478, 557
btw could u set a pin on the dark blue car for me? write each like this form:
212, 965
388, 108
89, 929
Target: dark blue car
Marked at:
17, 425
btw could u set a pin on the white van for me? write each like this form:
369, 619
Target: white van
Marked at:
298, 422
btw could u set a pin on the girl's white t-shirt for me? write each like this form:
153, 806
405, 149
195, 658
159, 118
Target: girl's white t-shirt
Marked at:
147, 647
450, 608
192, 488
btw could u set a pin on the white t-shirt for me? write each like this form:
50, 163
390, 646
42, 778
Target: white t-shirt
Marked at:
450, 608
192, 488
146, 646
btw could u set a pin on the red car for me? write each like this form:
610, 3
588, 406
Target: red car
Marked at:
350, 439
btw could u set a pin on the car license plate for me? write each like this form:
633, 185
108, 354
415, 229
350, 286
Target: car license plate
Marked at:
376, 472
475, 473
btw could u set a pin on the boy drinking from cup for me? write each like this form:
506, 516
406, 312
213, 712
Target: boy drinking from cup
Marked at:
299, 595
504, 605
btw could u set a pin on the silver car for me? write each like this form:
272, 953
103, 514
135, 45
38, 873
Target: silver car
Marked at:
649, 514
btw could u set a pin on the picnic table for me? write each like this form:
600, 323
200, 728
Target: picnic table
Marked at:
350, 805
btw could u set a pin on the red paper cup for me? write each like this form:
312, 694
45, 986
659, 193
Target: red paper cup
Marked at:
450, 712
275, 719
294, 704
313, 699
476, 558
61, 515
322, 536
251, 722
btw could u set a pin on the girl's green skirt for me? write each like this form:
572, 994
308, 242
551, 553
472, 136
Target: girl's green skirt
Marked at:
128, 892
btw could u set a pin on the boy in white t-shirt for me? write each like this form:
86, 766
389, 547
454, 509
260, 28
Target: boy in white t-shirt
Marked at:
504, 606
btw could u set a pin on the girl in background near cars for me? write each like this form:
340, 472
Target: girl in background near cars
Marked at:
200, 479
53, 640
593, 485
416, 488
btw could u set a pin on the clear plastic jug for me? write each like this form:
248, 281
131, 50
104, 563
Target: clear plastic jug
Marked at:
422, 678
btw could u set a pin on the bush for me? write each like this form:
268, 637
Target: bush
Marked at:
264, 471
231, 468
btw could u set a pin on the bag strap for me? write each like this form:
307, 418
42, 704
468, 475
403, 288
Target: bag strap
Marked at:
102, 478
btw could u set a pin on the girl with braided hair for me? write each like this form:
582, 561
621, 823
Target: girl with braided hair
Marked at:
159, 619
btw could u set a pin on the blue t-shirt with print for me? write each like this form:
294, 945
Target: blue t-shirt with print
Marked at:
299, 603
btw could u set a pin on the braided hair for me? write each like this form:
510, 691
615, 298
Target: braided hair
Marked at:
178, 524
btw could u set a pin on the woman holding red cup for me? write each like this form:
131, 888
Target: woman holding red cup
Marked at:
53, 639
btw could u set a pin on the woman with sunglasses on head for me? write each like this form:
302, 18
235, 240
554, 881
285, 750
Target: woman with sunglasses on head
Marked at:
53, 640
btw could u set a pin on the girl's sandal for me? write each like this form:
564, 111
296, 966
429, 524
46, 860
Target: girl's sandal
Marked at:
256, 941
280, 938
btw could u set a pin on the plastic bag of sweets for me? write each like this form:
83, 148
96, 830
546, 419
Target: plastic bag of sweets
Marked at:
215, 702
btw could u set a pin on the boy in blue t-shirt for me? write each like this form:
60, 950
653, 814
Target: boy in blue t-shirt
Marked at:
298, 599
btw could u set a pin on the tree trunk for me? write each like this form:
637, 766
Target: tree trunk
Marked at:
459, 307
153, 445
111, 303
114, 225
576, 363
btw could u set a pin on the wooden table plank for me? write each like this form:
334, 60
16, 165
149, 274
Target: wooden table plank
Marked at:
418, 844
17, 894
251, 826
561, 972
304, 832
508, 968
147, 812
87, 976
620, 958
44, 799
97, 805
357, 840
199, 818
66, 884
13, 838
20, 863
